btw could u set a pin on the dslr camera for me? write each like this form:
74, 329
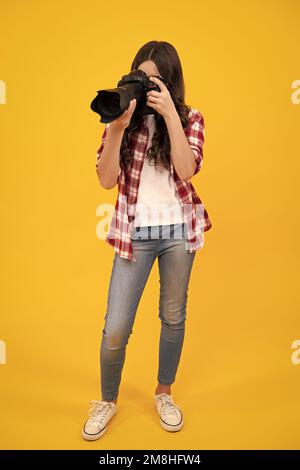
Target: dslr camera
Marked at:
112, 102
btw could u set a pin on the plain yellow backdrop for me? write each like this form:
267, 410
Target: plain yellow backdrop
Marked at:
236, 383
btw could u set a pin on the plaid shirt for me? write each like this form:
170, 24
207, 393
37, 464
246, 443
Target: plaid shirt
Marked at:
195, 214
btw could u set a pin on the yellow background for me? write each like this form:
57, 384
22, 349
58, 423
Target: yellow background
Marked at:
236, 383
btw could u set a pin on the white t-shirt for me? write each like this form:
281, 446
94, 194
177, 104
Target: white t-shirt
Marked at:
157, 202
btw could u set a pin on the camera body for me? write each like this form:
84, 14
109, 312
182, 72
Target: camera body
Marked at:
111, 103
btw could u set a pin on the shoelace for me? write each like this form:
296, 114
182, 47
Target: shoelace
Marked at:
99, 411
168, 407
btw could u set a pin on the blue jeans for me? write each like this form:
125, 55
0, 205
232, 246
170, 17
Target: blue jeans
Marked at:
127, 282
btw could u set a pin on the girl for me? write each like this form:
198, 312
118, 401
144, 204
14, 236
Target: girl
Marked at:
158, 214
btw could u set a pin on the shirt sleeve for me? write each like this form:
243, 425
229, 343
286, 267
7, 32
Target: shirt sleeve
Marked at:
195, 137
100, 149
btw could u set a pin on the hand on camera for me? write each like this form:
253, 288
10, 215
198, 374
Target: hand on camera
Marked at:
123, 121
162, 101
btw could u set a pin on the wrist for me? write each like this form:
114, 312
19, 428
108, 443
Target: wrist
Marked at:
116, 129
171, 116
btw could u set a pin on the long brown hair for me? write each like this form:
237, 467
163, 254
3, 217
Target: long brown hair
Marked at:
167, 61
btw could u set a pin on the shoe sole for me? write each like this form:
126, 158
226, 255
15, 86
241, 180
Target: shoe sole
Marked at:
94, 437
172, 428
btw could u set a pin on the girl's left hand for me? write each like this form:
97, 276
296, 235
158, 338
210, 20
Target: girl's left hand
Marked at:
161, 101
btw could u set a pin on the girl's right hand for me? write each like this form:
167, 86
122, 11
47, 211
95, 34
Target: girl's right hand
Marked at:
123, 121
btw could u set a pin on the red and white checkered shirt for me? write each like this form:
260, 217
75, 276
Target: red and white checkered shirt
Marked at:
195, 214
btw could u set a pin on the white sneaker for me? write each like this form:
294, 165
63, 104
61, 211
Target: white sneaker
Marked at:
100, 413
170, 414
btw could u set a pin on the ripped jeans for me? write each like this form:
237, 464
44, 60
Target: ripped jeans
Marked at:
127, 282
